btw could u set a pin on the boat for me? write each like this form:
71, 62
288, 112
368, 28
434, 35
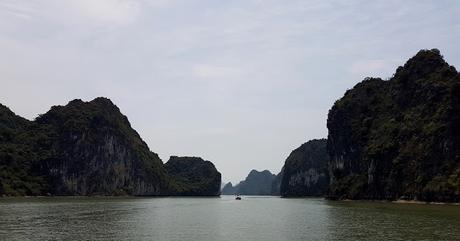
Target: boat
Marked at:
237, 197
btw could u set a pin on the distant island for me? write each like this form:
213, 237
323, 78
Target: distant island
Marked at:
305, 173
90, 148
256, 183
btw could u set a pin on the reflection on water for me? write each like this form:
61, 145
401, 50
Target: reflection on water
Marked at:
253, 218
386, 221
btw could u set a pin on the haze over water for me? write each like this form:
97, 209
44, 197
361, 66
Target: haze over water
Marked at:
253, 218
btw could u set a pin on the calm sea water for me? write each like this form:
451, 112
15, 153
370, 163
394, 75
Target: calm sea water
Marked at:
201, 219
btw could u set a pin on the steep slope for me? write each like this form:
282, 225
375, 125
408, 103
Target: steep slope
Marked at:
22, 143
85, 148
229, 189
193, 176
305, 171
97, 152
256, 183
399, 138
276, 184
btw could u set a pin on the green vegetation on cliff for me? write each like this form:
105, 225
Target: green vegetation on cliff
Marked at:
82, 148
305, 171
399, 138
22, 145
193, 176
99, 152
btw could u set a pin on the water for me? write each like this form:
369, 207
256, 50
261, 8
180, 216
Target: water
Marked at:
202, 219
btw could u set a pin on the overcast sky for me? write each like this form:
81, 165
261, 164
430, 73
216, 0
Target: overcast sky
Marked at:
240, 83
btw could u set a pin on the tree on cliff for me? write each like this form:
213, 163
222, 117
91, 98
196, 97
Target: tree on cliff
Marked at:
399, 138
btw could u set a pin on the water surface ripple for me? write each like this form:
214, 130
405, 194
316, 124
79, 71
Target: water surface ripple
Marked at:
253, 218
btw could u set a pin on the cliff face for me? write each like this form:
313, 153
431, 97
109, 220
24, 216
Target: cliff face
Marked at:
276, 184
399, 138
83, 148
193, 176
256, 183
229, 189
305, 171
97, 152
22, 144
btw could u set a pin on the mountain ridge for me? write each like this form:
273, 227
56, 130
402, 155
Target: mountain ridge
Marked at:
255, 183
82, 148
399, 138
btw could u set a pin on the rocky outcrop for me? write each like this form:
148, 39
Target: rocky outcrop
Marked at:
193, 176
97, 152
305, 171
276, 184
399, 138
256, 183
84, 148
229, 189
22, 143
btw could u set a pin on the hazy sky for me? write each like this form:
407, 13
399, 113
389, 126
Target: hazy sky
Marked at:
240, 83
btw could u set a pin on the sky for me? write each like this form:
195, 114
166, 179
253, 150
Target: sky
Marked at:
240, 83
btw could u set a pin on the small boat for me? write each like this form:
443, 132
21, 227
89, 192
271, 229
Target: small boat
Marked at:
237, 197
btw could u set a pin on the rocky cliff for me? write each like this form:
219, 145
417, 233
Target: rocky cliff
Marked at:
256, 183
22, 144
82, 148
276, 184
399, 138
97, 152
305, 171
229, 189
193, 176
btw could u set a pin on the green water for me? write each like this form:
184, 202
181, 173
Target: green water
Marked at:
202, 219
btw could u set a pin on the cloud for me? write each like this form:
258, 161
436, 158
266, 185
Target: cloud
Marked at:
111, 11
212, 71
16, 8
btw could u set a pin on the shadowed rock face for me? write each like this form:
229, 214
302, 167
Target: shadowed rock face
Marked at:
305, 171
21, 143
256, 183
83, 148
276, 184
229, 189
399, 138
193, 176
97, 152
